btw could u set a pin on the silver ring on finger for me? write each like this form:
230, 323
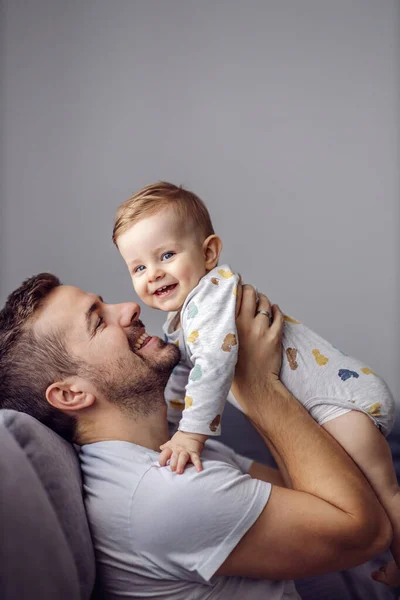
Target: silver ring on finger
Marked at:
266, 313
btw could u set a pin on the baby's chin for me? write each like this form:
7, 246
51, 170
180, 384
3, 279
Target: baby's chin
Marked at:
170, 307
167, 306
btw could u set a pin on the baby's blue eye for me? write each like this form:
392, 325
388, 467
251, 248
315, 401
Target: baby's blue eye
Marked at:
139, 268
167, 255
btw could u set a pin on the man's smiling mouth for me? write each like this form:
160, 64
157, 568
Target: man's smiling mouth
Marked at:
141, 341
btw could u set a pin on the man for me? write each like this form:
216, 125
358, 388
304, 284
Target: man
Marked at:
90, 371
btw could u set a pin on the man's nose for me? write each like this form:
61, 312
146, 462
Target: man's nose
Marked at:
128, 312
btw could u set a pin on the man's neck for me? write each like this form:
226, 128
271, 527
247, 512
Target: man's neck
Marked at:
114, 424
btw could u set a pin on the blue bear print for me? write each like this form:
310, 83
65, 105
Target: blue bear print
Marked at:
192, 310
196, 373
345, 374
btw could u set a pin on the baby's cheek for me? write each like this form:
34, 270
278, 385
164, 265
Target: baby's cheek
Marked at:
139, 290
135, 287
193, 273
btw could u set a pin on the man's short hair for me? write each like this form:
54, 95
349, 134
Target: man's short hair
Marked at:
30, 362
157, 196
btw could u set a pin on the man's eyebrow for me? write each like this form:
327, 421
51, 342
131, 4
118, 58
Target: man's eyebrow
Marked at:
90, 311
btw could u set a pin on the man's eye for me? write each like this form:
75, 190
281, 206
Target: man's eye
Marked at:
167, 255
139, 269
99, 323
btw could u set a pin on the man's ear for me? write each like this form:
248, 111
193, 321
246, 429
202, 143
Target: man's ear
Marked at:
70, 395
212, 247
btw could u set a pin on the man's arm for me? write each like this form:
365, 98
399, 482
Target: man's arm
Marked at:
331, 519
266, 473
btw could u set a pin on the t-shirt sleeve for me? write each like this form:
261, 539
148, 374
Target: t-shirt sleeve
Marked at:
188, 524
242, 462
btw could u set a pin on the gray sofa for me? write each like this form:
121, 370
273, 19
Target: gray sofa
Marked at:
45, 545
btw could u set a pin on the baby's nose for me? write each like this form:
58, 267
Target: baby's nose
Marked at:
156, 274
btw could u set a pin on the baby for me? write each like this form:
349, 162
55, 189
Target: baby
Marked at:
165, 235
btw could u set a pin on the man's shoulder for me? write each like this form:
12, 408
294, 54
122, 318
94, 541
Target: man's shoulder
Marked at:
221, 466
113, 467
125, 473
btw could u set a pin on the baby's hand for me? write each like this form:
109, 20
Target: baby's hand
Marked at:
389, 574
182, 448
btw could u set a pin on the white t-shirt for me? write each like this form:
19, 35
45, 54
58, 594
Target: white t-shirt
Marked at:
161, 535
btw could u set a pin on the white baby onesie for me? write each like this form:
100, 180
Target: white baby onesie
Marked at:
200, 383
325, 380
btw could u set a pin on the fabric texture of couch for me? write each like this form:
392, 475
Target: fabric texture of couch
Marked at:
46, 550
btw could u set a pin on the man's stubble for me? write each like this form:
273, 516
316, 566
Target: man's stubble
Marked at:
137, 389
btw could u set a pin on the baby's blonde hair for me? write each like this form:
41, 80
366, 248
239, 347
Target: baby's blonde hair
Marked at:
157, 196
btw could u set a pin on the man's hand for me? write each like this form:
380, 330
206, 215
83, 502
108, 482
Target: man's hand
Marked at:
260, 349
182, 448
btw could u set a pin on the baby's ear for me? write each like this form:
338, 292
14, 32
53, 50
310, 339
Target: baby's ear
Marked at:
212, 247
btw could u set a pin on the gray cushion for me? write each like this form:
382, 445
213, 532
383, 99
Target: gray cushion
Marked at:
54, 477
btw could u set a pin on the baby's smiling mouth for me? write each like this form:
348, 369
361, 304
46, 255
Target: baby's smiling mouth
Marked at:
165, 289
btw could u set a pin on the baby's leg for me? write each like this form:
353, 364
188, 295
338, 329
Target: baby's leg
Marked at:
366, 445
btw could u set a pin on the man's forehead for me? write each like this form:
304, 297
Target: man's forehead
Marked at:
64, 307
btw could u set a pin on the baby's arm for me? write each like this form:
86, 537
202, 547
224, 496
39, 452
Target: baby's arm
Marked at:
208, 322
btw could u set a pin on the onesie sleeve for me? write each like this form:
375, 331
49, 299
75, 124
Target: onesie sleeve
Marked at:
209, 329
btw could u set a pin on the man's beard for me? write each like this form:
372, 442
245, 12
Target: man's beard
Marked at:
138, 389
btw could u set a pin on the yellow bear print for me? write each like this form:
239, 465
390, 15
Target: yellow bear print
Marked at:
178, 404
192, 337
225, 274
229, 342
188, 401
320, 358
290, 320
375, 409
367, 371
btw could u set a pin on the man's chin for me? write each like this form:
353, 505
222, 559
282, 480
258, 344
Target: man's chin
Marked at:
164, 357
170, 356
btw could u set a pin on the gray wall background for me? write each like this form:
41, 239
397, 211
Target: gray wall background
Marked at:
282, 115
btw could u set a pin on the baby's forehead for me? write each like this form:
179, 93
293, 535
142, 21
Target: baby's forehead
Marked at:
154, 232
170, 222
